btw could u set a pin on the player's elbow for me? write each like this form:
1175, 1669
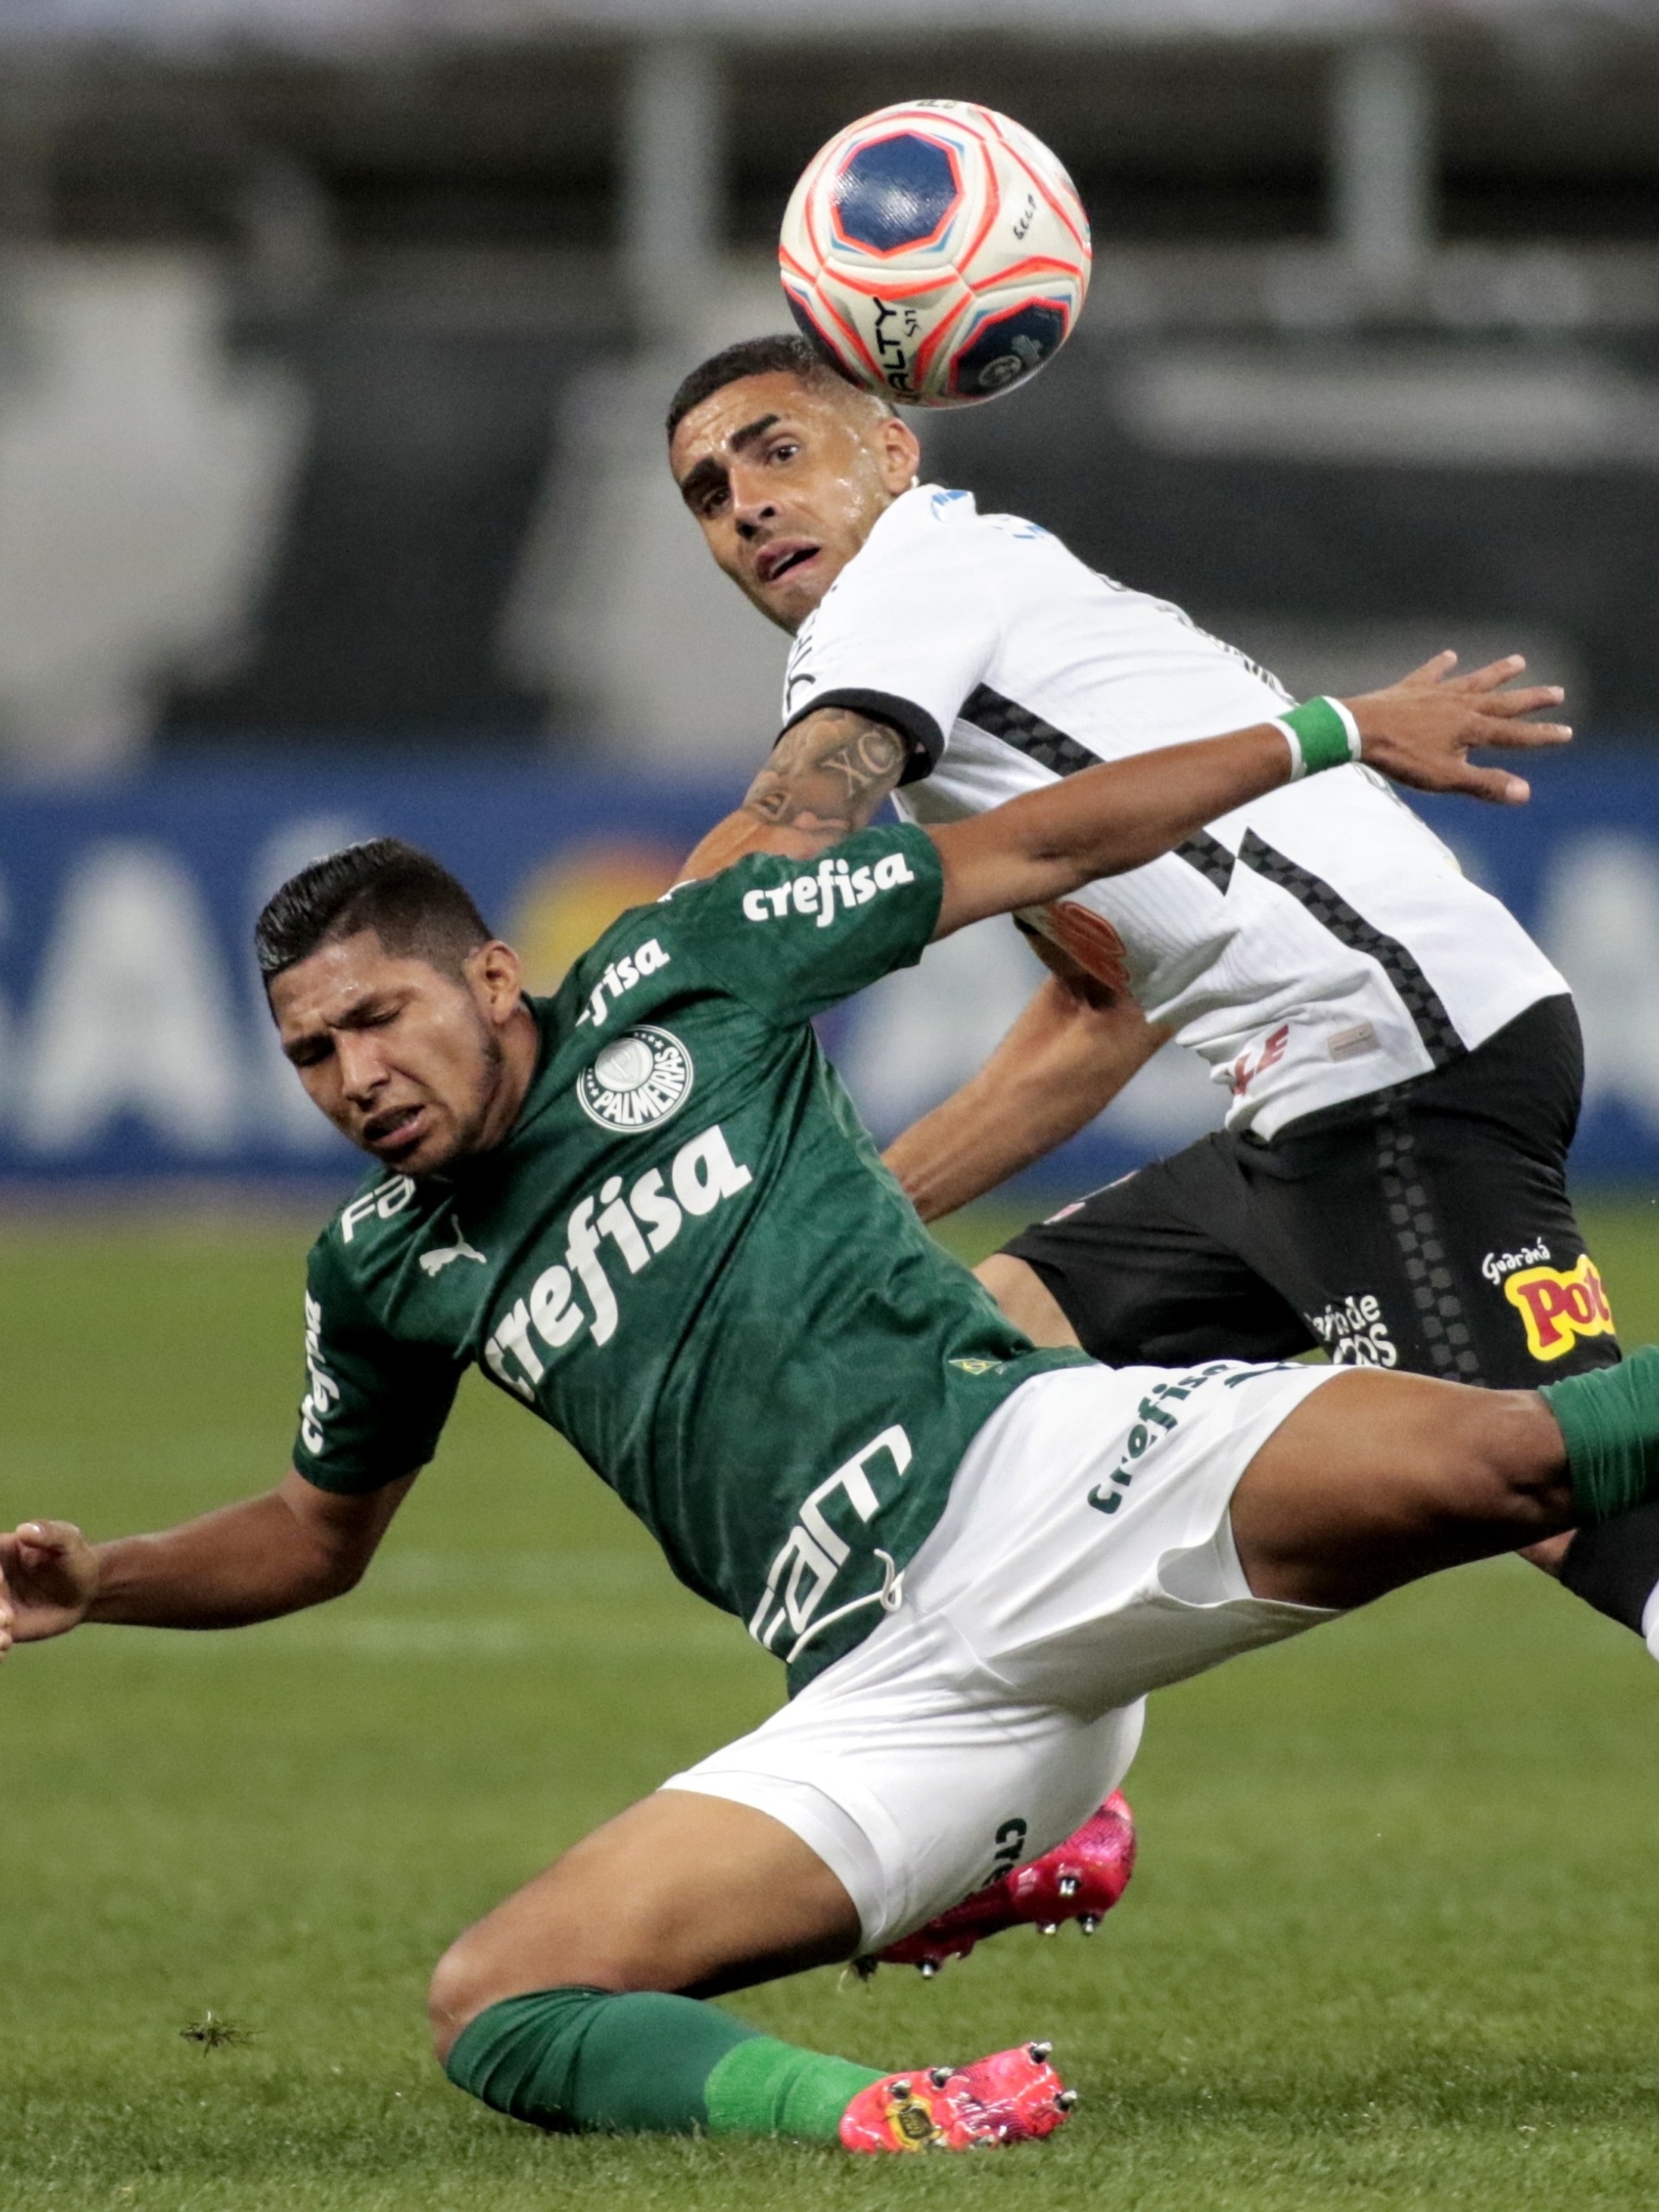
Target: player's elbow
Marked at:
339, 1573
313, 1570
330, 1537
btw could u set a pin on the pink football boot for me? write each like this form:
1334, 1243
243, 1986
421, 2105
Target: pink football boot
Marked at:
1014, 2096
1080, 1880
1019, 2093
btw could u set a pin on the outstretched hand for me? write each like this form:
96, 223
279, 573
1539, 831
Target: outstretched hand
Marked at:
1420, 730
48, 1579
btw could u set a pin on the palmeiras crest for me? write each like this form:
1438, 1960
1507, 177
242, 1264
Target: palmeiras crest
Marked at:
639, 1080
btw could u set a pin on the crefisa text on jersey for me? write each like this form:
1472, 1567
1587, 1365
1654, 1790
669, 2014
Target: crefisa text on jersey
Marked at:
621, 974
833, 887
324, 1394
549, 1318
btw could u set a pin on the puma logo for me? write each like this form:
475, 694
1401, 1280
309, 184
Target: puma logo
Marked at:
432, 1262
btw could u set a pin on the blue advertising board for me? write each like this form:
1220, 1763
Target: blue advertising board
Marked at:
134, 1043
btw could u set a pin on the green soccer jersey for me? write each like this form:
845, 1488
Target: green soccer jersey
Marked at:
687, 1259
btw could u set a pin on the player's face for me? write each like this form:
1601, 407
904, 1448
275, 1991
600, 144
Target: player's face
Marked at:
407, 1062
787, 480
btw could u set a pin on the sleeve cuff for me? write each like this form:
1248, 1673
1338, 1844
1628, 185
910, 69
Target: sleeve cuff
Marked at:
924, 740
357, 1482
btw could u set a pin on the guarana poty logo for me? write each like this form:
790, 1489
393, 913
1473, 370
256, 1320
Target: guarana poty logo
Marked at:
640, 1079
1558, 1306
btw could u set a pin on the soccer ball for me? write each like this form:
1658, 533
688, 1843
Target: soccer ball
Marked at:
936, 252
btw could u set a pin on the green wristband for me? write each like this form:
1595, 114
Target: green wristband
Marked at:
1322, 734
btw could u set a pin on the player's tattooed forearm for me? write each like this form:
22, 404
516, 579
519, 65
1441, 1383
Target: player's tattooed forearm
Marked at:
872, 755
830, 771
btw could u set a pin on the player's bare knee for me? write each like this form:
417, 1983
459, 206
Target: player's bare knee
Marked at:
501, 1956
566, 1928
477, 1972
457, 1992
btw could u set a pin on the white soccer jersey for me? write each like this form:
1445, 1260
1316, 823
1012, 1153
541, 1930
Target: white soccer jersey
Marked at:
1312, 946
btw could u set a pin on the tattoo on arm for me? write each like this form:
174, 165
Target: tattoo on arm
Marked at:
829, 773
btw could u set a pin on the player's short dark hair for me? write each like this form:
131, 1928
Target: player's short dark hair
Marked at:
785, 353
416, 909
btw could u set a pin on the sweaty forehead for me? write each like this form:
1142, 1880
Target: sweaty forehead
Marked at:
713, 429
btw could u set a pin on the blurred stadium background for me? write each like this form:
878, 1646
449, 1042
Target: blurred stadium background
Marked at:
334, 342
334, 337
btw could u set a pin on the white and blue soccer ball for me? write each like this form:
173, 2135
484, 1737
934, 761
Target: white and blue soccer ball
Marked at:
936, 252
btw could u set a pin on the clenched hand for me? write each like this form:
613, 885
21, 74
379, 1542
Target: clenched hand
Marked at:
48, 1579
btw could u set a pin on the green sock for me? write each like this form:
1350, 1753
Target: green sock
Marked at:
647, 2062
1609, 1419
763, 2088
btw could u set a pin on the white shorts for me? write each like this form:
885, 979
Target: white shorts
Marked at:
1085, 1558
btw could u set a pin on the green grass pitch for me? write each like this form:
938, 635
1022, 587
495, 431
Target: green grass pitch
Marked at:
1394, 1939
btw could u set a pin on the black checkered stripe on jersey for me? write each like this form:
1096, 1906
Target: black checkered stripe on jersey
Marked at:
1026, 732
1332, 911
1422, 1243
1051, 748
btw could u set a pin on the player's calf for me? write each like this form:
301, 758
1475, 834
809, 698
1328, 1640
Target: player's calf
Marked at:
568, 2006
569, 2060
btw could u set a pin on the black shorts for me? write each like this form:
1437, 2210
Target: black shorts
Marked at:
1425, 1227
